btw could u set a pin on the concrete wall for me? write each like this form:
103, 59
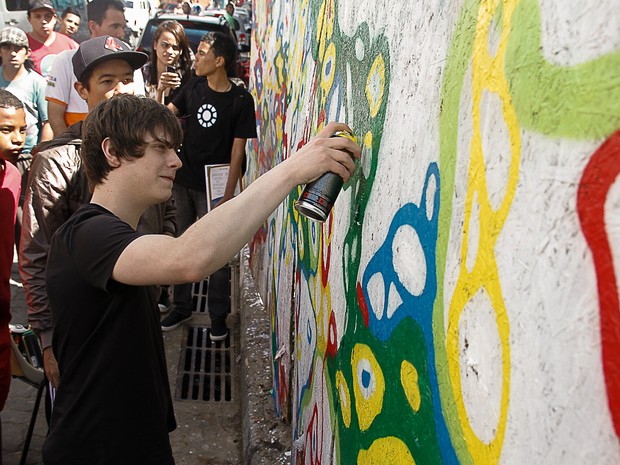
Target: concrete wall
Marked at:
460, 305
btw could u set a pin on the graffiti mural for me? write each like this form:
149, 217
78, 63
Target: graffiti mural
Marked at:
426, 320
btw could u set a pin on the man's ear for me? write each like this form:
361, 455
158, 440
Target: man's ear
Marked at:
91, 27
81, 90
220, 62
110, 153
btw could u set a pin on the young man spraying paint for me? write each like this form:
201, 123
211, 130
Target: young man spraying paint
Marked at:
114, 404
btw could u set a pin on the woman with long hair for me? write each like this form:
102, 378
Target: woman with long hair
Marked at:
170, 65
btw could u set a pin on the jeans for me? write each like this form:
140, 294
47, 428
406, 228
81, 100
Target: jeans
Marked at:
191, 205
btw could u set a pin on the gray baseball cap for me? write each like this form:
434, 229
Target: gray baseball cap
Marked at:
100, 49
40, 5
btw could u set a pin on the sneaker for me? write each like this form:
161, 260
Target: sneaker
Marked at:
174, 320
219, 331
164, 300
163, 308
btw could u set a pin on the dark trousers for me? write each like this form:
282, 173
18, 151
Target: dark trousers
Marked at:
191, 205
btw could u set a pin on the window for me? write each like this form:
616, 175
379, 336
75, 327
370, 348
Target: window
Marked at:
17, 5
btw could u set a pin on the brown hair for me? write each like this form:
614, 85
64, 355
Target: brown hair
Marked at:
185, 57
125, 120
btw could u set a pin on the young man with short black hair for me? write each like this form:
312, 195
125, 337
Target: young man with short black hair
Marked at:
114, 405
69, 22
220, 119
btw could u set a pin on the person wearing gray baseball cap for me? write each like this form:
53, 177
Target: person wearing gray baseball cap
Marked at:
93, 52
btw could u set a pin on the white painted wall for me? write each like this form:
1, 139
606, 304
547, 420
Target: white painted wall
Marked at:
499, 277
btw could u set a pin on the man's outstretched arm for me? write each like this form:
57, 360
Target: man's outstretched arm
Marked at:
210, 242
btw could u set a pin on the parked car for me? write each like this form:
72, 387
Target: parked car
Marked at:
13, 13
137, 13
243, 26
195, 28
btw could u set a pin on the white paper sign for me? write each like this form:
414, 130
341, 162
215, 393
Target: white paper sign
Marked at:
216, 177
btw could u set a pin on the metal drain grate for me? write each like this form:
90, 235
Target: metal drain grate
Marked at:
206, 368
199, 296
200, 291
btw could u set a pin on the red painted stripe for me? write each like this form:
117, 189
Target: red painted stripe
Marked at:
362, 303
598, 178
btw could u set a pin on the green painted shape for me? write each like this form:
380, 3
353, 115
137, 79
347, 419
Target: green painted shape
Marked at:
396, 418
457, 63
574, 102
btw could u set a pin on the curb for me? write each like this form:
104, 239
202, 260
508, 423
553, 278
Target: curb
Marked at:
266, 438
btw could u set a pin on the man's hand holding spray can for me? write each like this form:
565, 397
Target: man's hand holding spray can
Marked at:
318, 197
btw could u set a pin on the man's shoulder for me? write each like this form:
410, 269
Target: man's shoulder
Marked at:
64, 57
10, 172
65, 41
238, 87
64, 154
36, 78
66, 145
242, 92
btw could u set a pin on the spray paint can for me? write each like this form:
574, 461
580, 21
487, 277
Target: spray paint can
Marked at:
318, 197
17, 331
33, 349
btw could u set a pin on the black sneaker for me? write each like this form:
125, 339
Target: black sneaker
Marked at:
173, 321
219, 331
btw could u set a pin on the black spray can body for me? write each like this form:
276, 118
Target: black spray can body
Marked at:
33, 349
318, 197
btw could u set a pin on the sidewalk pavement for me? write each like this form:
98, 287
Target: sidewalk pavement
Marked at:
243, 432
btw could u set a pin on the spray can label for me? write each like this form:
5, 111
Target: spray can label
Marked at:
318, 197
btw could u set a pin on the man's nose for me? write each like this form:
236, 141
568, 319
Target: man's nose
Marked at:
123, 88
19, 138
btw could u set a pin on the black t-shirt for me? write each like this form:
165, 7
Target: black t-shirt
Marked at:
213, 120
113, 405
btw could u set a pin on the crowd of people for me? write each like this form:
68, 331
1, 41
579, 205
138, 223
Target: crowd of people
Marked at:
108, 148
